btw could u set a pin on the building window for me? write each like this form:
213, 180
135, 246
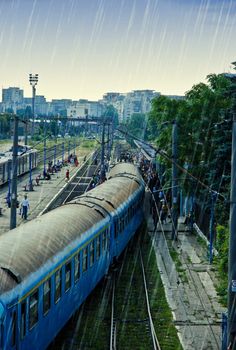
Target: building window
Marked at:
68, 276
46, 296
91, 253
33, 309
98, 247
57, 285
77, 267
85, 259
23, 320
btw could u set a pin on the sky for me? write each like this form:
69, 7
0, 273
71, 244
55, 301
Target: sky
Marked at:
85, 48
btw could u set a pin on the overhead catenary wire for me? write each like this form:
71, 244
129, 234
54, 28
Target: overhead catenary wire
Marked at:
163, 154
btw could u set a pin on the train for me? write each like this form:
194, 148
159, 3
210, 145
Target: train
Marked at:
31, 155
49, 265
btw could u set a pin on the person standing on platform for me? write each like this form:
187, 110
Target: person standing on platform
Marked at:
67, 175
24, 207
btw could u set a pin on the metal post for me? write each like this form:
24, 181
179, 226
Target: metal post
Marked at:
108, 141
9, 167
74, 147
103, 152
26, 130
68, 148
231, 329
31, 188
174, 183
44, 147
33, 104
192, 209
181, 202
211, 226
33, 79
14, 175
63, 151
224, 332
55, 154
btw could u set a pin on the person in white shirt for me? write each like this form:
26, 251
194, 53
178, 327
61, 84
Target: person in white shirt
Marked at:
24, 207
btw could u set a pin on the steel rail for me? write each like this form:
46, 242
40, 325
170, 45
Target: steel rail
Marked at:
156, 345
113, 322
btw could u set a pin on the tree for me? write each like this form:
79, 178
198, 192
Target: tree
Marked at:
204, 136
110, 111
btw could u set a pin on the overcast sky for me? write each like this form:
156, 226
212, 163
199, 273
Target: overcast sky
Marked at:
84, 48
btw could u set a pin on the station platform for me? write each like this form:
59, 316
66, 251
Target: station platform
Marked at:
41, 196
189, 281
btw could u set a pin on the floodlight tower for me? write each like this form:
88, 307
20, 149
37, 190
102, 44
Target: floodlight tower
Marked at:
33, 79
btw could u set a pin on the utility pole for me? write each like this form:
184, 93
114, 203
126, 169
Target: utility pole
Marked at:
211, 226
231, 327
26, 129
33, 79
44, 146
174, 183
14, 175
103, 151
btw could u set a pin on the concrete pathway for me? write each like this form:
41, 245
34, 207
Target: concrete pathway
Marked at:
42, 194
188, 280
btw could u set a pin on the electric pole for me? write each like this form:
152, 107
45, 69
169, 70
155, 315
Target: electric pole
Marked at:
33, 79
103, 152
14, 175
231, 326
174, 183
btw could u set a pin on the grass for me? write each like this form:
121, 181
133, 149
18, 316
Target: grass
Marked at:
178, 264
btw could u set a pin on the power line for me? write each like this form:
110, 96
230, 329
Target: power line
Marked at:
165, 155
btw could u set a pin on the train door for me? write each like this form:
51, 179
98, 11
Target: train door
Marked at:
13, 329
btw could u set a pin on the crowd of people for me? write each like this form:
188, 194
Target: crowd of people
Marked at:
159, 205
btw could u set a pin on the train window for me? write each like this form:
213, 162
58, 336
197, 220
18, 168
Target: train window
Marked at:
85, 259
104, 240
33, 309
23, 319
57, 285
77, 267
98, 247
92, 253
46, 296
13, 328
68, 276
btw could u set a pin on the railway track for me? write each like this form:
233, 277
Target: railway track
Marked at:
80, 183
96, 327
147, 319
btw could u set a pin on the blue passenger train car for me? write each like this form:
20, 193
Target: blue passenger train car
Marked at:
51, 264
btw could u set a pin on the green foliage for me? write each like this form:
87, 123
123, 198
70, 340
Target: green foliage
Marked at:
204, 135
5, 125
111, 111
204, 148
136, 124
222, 244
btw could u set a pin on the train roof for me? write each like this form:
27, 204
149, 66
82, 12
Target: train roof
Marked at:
124, 169
4, 157
111, 194
29, 246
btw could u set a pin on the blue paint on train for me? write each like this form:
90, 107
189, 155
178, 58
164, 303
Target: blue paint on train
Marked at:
34, 311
